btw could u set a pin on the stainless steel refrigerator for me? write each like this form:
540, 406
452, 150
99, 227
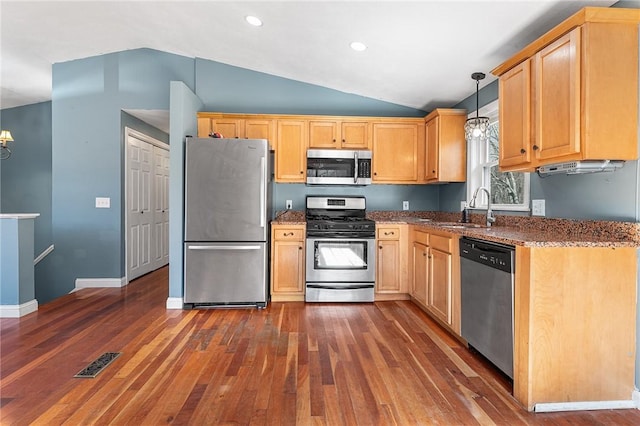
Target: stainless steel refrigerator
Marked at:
227, 214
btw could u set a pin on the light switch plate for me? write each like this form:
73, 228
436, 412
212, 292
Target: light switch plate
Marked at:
103, 202
405, 205
537, 208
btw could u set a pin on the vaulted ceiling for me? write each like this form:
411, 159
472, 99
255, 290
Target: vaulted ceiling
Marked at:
419, 54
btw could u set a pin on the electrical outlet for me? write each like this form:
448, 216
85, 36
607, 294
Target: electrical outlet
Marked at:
289, 204
405, 205
463, 205
537, 208
103, 202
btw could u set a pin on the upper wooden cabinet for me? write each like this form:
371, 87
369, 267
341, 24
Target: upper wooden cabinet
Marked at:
398, 151
339, 134
446, 149
233, 127
291, 151
573, 93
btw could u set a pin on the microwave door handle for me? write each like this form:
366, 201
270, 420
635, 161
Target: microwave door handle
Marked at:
355, 169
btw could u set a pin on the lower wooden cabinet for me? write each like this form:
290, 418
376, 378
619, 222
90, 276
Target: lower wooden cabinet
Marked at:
391, 262
436, 276
287, 263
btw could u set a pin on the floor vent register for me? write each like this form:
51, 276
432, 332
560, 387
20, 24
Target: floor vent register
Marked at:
93, 369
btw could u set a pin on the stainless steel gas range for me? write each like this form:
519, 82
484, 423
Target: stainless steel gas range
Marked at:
340, 250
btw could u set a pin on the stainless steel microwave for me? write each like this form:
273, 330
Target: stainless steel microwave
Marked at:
338, 167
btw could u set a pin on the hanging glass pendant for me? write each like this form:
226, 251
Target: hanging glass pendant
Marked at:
476, 128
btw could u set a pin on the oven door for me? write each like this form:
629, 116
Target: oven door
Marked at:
340, 260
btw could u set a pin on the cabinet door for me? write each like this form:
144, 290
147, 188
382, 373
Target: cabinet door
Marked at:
420, 272
260, 129
323, 134
288, 267
515, 116
354, 135
395, 153
557, 98
291, 151
388, 266
228, 128
432, 154
440, 285
204, 127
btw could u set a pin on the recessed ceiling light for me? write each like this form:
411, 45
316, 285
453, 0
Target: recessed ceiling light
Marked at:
256, 22
356, 45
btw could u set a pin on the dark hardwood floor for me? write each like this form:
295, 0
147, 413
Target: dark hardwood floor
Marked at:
385, 363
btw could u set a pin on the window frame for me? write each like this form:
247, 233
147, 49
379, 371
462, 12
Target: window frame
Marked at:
478, 171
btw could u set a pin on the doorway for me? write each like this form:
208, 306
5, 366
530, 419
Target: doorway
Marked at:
146, 204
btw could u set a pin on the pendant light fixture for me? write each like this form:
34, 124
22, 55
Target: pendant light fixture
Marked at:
476, 128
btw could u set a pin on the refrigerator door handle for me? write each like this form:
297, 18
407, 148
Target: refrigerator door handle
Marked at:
223, 247
262, 191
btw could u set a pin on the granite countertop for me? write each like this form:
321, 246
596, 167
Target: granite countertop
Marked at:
514, 230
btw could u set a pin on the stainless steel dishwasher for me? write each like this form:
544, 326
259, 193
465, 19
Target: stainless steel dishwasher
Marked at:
486, 280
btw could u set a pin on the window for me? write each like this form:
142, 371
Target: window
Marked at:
509, 190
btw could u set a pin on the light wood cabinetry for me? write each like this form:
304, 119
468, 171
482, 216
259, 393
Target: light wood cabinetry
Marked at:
338, 134
436, 276
398, 151
575, 316
287, 263
570, 94
234, 127
291, 151
397, 143
391, 262
446, 150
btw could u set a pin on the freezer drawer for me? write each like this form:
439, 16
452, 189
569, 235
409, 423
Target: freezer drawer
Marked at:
226, 274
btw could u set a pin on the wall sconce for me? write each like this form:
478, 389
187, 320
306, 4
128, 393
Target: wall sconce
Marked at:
5, 152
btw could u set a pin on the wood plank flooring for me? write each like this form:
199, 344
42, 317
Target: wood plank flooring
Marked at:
385, 363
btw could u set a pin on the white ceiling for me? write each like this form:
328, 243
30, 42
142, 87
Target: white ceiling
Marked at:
420, 53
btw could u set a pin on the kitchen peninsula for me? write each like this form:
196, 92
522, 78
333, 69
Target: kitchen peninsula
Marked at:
575, 288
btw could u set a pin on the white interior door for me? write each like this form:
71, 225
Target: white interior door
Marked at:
140, 215
161, 207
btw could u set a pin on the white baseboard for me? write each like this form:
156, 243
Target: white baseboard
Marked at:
636, 398
100, 282
549, 407
174, 303
17, 311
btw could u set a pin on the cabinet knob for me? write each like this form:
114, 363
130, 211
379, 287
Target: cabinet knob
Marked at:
301, 172
344, 140
523, 151
141, 211
375, 173
424, 254
433, 171
300, 248
380, 247
334, 141
535, 147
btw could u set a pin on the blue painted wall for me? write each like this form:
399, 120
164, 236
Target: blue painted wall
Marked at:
25, 178
88, 156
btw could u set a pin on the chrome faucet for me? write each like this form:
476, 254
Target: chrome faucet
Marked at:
472, 204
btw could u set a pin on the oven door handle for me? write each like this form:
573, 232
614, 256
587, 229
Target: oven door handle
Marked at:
340, 287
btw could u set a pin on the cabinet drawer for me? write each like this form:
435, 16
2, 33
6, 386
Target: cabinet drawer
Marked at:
441, 243
288, 234
388, 233
421, 237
